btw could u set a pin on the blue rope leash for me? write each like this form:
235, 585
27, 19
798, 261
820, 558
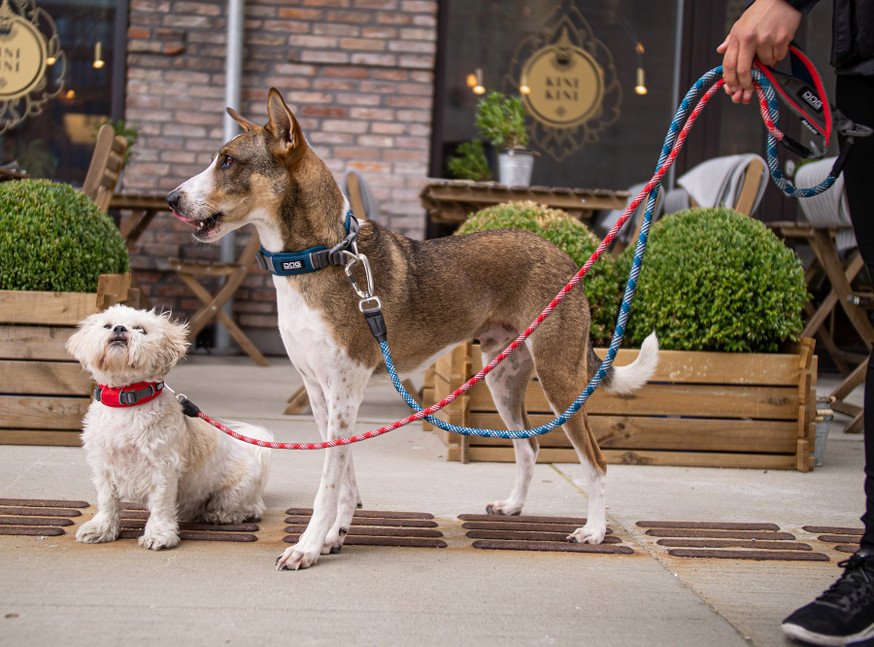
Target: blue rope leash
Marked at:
625, 308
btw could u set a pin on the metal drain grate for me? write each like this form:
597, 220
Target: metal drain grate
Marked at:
133, 521
376, 528
843, 540
38, 517
494, 532
714, 540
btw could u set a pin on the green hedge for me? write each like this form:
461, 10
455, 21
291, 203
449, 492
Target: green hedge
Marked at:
714, 279
603, 287
53, 238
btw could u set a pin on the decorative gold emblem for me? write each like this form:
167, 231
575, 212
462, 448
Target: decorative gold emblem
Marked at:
574, 93
32, 64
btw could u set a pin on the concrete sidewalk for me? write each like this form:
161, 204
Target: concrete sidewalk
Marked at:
55, 590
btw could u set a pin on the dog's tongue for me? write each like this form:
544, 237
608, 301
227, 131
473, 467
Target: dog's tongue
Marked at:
188, 221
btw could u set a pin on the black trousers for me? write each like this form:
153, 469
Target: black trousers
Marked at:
855, 98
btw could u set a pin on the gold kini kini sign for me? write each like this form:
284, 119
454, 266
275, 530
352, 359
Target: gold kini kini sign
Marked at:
32, 63
568, 83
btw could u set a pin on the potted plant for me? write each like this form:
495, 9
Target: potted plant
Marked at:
501, 120
469, 162
735, 385
61, 259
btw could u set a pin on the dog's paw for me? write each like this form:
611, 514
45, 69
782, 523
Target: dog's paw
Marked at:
293, 559
587, 535
159, 540
94, 532
334, 544
503, 508
223, 517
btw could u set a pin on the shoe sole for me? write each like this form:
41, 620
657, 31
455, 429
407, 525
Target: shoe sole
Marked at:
801, 634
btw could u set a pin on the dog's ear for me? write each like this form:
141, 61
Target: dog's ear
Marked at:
77, 344
247, 124
290, 142
175, 341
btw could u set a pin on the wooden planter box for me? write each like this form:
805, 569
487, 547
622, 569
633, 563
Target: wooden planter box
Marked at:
45, 392
700, 409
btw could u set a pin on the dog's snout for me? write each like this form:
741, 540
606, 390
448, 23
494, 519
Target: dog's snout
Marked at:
173, 199
119, 330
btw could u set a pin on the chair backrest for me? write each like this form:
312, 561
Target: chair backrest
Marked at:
361, 199
106, 165
734, 181
829, 209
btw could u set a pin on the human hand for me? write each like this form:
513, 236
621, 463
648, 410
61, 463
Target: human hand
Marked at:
764, 30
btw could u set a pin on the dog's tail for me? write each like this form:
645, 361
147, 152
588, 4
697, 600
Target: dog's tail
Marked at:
625, 379
262, 454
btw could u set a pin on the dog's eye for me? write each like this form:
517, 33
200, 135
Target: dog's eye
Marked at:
226, 162
141, 329
108, 326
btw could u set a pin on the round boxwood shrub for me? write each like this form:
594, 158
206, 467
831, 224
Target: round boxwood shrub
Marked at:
714, 279
602, 287
54, 239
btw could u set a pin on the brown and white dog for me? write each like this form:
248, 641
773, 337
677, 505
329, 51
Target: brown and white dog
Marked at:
435, 294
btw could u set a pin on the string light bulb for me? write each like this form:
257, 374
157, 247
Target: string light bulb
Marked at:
524, 88
640, 86
98, 56
478, 87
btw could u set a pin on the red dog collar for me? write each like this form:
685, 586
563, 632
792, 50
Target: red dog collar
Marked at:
128, 396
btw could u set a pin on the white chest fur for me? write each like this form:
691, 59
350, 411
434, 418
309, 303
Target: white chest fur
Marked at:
304, 331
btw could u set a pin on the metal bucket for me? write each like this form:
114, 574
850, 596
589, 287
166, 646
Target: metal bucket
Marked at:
514, 167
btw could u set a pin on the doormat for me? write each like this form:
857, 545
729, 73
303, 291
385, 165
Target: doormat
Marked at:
376, 528
133, 522
715, 540
496, 532
38, 517
843, 540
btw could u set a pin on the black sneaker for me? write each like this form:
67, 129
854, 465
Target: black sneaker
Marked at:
844, 614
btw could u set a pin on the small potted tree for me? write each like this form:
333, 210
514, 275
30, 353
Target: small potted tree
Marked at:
61, 259
501, 120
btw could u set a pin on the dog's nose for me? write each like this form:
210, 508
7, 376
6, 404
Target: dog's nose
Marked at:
173, 199
119, 330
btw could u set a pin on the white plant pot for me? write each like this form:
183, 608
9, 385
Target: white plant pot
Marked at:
514, 166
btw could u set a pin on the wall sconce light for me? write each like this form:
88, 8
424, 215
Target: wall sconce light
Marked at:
70, 94
640, 86
475, 82
51, 60
98, 56
524, 88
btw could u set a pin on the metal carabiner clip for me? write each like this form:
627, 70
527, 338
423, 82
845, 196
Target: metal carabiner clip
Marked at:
360, 258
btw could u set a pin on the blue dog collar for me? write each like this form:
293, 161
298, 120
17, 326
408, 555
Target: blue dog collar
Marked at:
309, 260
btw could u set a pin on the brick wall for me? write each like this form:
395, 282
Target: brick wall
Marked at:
358, 75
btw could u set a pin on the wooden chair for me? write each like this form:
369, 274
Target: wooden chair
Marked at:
105, 168
828, 231
233, 274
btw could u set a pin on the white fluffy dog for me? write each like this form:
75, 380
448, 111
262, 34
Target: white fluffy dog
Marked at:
140, 445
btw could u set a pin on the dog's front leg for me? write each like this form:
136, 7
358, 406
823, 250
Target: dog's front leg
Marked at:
306, 551
162, 528
335, 403
106, 523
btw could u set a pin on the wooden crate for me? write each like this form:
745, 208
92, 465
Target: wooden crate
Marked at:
700, 409
45, 392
